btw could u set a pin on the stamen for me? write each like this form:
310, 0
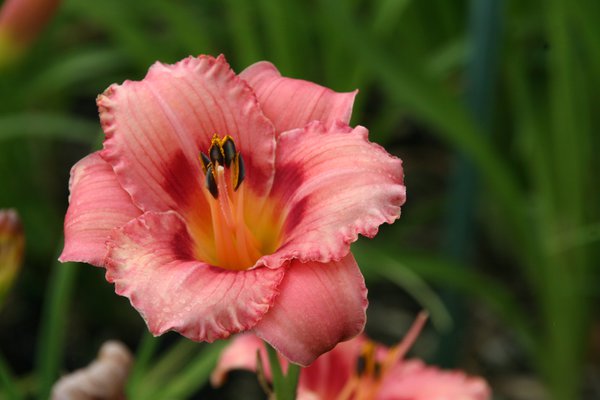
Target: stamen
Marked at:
363, 384
377, 370
361, 365
205, 162
365, 364
238, 171
229, 150
238, 239
211, 183
216, 153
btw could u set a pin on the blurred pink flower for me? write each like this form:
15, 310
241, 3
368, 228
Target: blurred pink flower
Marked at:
223, 203
361, 370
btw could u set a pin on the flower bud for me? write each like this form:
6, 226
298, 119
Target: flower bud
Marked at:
12, 243
21, 21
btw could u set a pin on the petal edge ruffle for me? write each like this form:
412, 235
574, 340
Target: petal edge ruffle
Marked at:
333, 185
97, 205
292, 103
150, 261
156, 128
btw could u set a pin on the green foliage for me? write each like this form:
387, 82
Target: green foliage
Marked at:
537, 203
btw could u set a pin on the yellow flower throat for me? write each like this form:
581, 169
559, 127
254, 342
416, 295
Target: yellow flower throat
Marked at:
244, 225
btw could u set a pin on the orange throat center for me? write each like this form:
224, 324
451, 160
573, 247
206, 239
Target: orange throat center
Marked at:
243, 226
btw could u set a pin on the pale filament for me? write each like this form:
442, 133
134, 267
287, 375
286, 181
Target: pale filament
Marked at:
235, 245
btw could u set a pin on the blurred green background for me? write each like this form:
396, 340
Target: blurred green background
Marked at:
492, 105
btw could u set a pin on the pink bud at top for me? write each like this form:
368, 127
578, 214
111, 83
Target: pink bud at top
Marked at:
21, 21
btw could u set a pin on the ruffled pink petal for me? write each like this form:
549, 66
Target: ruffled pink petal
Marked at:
415, 381
97, 205
292, 103
157, 127
151, 262
333, 185
319, 305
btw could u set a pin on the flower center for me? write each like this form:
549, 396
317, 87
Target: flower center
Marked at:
365, 382
244, 226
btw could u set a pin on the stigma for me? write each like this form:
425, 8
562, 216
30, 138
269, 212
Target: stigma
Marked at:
222, 156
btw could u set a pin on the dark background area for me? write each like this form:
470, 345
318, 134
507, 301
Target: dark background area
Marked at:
491, 104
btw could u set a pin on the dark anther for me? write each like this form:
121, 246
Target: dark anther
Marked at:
211, 183
228, 150
377, 371
205, 162
216, 153
361, 365
239, 171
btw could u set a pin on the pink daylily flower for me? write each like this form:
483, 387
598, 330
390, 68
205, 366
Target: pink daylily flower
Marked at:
360, 369
223, 203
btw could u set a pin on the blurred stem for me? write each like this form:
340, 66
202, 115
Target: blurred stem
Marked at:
245, 38
193, 376
484, 35
163, 369
8, 383
284, 385
279, 33
54, 324
566, 273
410, 88
145, 351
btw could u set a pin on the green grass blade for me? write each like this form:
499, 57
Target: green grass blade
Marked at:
284, 385
448, 274
48, 126
9, 387
168, 366
144, 353
191, 30
405, 278
68, 72
240, 16
123, 22
194, 375
277, 19
386, 15
51, 337
427, 100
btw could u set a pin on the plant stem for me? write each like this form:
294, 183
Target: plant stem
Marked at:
52, 333
8, 383
284, 385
